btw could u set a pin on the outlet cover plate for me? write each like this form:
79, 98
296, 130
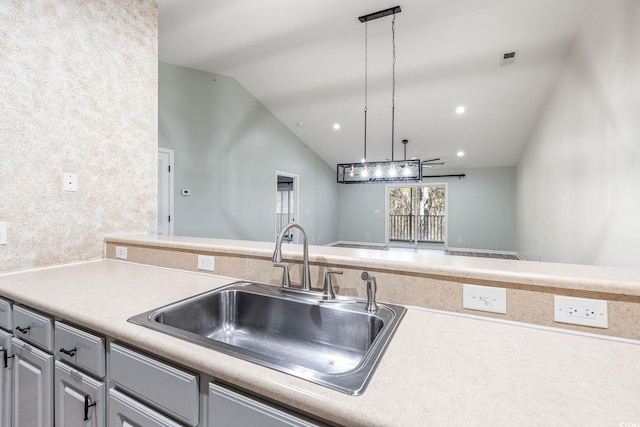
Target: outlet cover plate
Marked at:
121, 252
206, 262
484, 298
580, 311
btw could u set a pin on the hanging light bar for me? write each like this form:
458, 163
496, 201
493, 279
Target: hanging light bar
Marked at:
365, 172
379, 172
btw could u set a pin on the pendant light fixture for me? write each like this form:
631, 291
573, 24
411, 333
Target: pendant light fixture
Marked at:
366, 172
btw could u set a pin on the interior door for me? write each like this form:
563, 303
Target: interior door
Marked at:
165, 191
286, 203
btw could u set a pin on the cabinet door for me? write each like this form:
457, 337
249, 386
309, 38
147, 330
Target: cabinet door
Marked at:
80, 399
32, 386
230, 409
5, 379
127, 412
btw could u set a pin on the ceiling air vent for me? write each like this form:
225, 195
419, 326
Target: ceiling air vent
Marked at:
508, 58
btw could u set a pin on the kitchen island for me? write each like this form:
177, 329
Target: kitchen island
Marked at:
439, 369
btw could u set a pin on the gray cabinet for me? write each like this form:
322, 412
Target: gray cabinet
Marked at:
33, 327
80, 348
32, 386
6, 370
227, 408
6, 318
69, 387
172, 390
79, 399
126, 412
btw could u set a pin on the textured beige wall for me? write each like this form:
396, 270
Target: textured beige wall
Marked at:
529, 304
78, 94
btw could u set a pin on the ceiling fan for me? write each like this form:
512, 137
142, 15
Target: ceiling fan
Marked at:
425, 163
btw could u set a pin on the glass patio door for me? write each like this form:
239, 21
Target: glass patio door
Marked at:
416, 214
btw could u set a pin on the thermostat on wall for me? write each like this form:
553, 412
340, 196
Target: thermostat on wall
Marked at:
185, 192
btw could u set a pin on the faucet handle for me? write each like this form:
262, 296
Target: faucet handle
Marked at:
327, 289
286, 283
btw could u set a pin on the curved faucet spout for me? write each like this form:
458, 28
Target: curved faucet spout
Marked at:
277, 253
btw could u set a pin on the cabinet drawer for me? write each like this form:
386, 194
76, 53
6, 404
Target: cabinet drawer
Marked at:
79, 399
5, 315
33, 327
125, 411
170, 389
228, 408
80, 348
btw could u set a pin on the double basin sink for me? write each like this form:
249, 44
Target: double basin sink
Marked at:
336, 342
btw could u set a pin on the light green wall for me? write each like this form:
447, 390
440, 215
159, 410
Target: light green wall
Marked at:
228, 147
481, 210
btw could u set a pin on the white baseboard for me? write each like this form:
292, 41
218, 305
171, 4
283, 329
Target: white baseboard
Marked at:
345, 242
484, 251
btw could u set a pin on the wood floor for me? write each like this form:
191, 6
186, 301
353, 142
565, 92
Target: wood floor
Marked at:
429, 250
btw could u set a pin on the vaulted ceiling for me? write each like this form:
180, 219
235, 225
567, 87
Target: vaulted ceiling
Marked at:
305, 61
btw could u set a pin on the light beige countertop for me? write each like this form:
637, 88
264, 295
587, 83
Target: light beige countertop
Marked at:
611, 280
439, 369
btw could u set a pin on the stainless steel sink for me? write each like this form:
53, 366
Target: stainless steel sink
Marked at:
336, 343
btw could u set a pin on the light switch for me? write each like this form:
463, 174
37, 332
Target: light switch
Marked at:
484, 298
3, 233
70, 181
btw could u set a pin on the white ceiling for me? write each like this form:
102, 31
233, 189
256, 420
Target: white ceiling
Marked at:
304, 60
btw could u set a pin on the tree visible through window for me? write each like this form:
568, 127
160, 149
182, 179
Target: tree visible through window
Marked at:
417, 213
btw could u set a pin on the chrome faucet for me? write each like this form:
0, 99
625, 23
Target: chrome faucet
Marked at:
277, 254
371, 306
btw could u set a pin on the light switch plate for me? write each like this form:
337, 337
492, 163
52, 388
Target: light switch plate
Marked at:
3, 233
70, 181
580, 311
484, 298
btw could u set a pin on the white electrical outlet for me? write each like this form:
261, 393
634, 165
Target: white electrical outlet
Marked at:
206, 262
580, 311
484, 298
3, 233
121, 252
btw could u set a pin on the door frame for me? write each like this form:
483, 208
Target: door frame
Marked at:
415, 243
171, 173
296, 203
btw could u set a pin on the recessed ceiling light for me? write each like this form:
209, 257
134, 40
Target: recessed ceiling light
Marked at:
460, 153
460, 109
336, 126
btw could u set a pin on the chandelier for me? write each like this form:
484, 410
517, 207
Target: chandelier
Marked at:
367, 172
